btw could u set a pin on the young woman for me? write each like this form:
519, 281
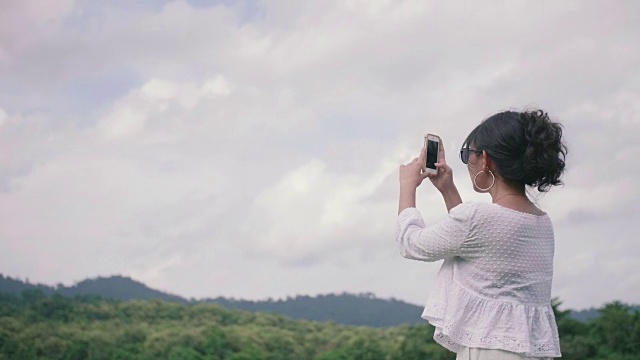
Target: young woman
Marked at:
492, 296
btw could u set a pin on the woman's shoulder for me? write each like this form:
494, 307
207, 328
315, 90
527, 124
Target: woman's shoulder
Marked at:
465, 210
469, 207
482, 211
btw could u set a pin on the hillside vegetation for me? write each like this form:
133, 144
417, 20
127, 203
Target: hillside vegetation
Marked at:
347, 309
36, 326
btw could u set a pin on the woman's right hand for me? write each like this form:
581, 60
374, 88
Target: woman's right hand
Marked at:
443, 179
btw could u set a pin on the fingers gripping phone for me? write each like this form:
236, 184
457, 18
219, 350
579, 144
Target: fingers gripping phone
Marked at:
432, 144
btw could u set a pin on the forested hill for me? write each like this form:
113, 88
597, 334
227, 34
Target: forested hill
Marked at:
113, 287
36, 326
347, 309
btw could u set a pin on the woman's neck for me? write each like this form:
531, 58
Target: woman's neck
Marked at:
502, 190
514, 198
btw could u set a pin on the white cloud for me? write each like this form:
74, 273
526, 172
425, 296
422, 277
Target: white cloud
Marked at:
30, 17
217, 86
312, 208
240, 148
3, 117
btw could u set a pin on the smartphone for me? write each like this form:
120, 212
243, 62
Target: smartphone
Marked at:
432, 143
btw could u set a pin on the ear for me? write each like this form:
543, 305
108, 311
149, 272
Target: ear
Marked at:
486, 160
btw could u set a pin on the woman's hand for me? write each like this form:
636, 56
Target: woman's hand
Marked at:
411, 174
443, 179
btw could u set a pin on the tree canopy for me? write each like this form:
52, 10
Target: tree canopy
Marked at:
36, 326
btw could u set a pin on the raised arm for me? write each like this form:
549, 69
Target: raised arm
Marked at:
442, 240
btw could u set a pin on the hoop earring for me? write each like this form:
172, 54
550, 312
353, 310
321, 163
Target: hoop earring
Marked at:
493, 181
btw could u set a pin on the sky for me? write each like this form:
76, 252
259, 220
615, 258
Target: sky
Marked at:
250, 149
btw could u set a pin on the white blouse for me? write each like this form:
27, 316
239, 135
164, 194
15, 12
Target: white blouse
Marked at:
493, 290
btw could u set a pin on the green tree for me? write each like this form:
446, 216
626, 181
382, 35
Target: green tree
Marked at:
250, 353
184, 353
616, 330
417, 343
366, 348
338, 354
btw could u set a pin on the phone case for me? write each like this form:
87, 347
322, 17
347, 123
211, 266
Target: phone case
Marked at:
433, 138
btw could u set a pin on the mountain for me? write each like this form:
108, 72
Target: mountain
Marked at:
347, 309
113, 287
588, 314
34, 326
15, 286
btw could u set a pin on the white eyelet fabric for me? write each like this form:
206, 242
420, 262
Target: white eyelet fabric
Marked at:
493, 290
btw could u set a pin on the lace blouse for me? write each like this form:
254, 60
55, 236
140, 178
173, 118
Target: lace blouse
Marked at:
493, 290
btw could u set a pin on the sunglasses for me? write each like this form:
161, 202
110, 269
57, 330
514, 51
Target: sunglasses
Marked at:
464, 154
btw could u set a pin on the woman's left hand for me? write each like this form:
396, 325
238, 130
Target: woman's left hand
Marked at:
411, 174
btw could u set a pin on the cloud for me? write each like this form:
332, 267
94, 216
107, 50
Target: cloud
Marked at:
3, 117
163, 103
312, 208
257, 152
26, 23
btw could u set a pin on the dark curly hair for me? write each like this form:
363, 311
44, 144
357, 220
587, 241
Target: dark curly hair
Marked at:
527, 147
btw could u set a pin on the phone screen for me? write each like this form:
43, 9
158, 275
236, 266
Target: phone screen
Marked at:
432, 154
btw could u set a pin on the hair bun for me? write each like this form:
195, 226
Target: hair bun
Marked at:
545, 153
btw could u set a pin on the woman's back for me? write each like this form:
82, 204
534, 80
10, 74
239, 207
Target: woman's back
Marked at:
493, 290
513, 255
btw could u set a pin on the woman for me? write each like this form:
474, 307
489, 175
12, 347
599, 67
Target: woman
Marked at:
492, 297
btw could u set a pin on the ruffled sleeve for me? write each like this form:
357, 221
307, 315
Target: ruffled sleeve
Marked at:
446, 239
